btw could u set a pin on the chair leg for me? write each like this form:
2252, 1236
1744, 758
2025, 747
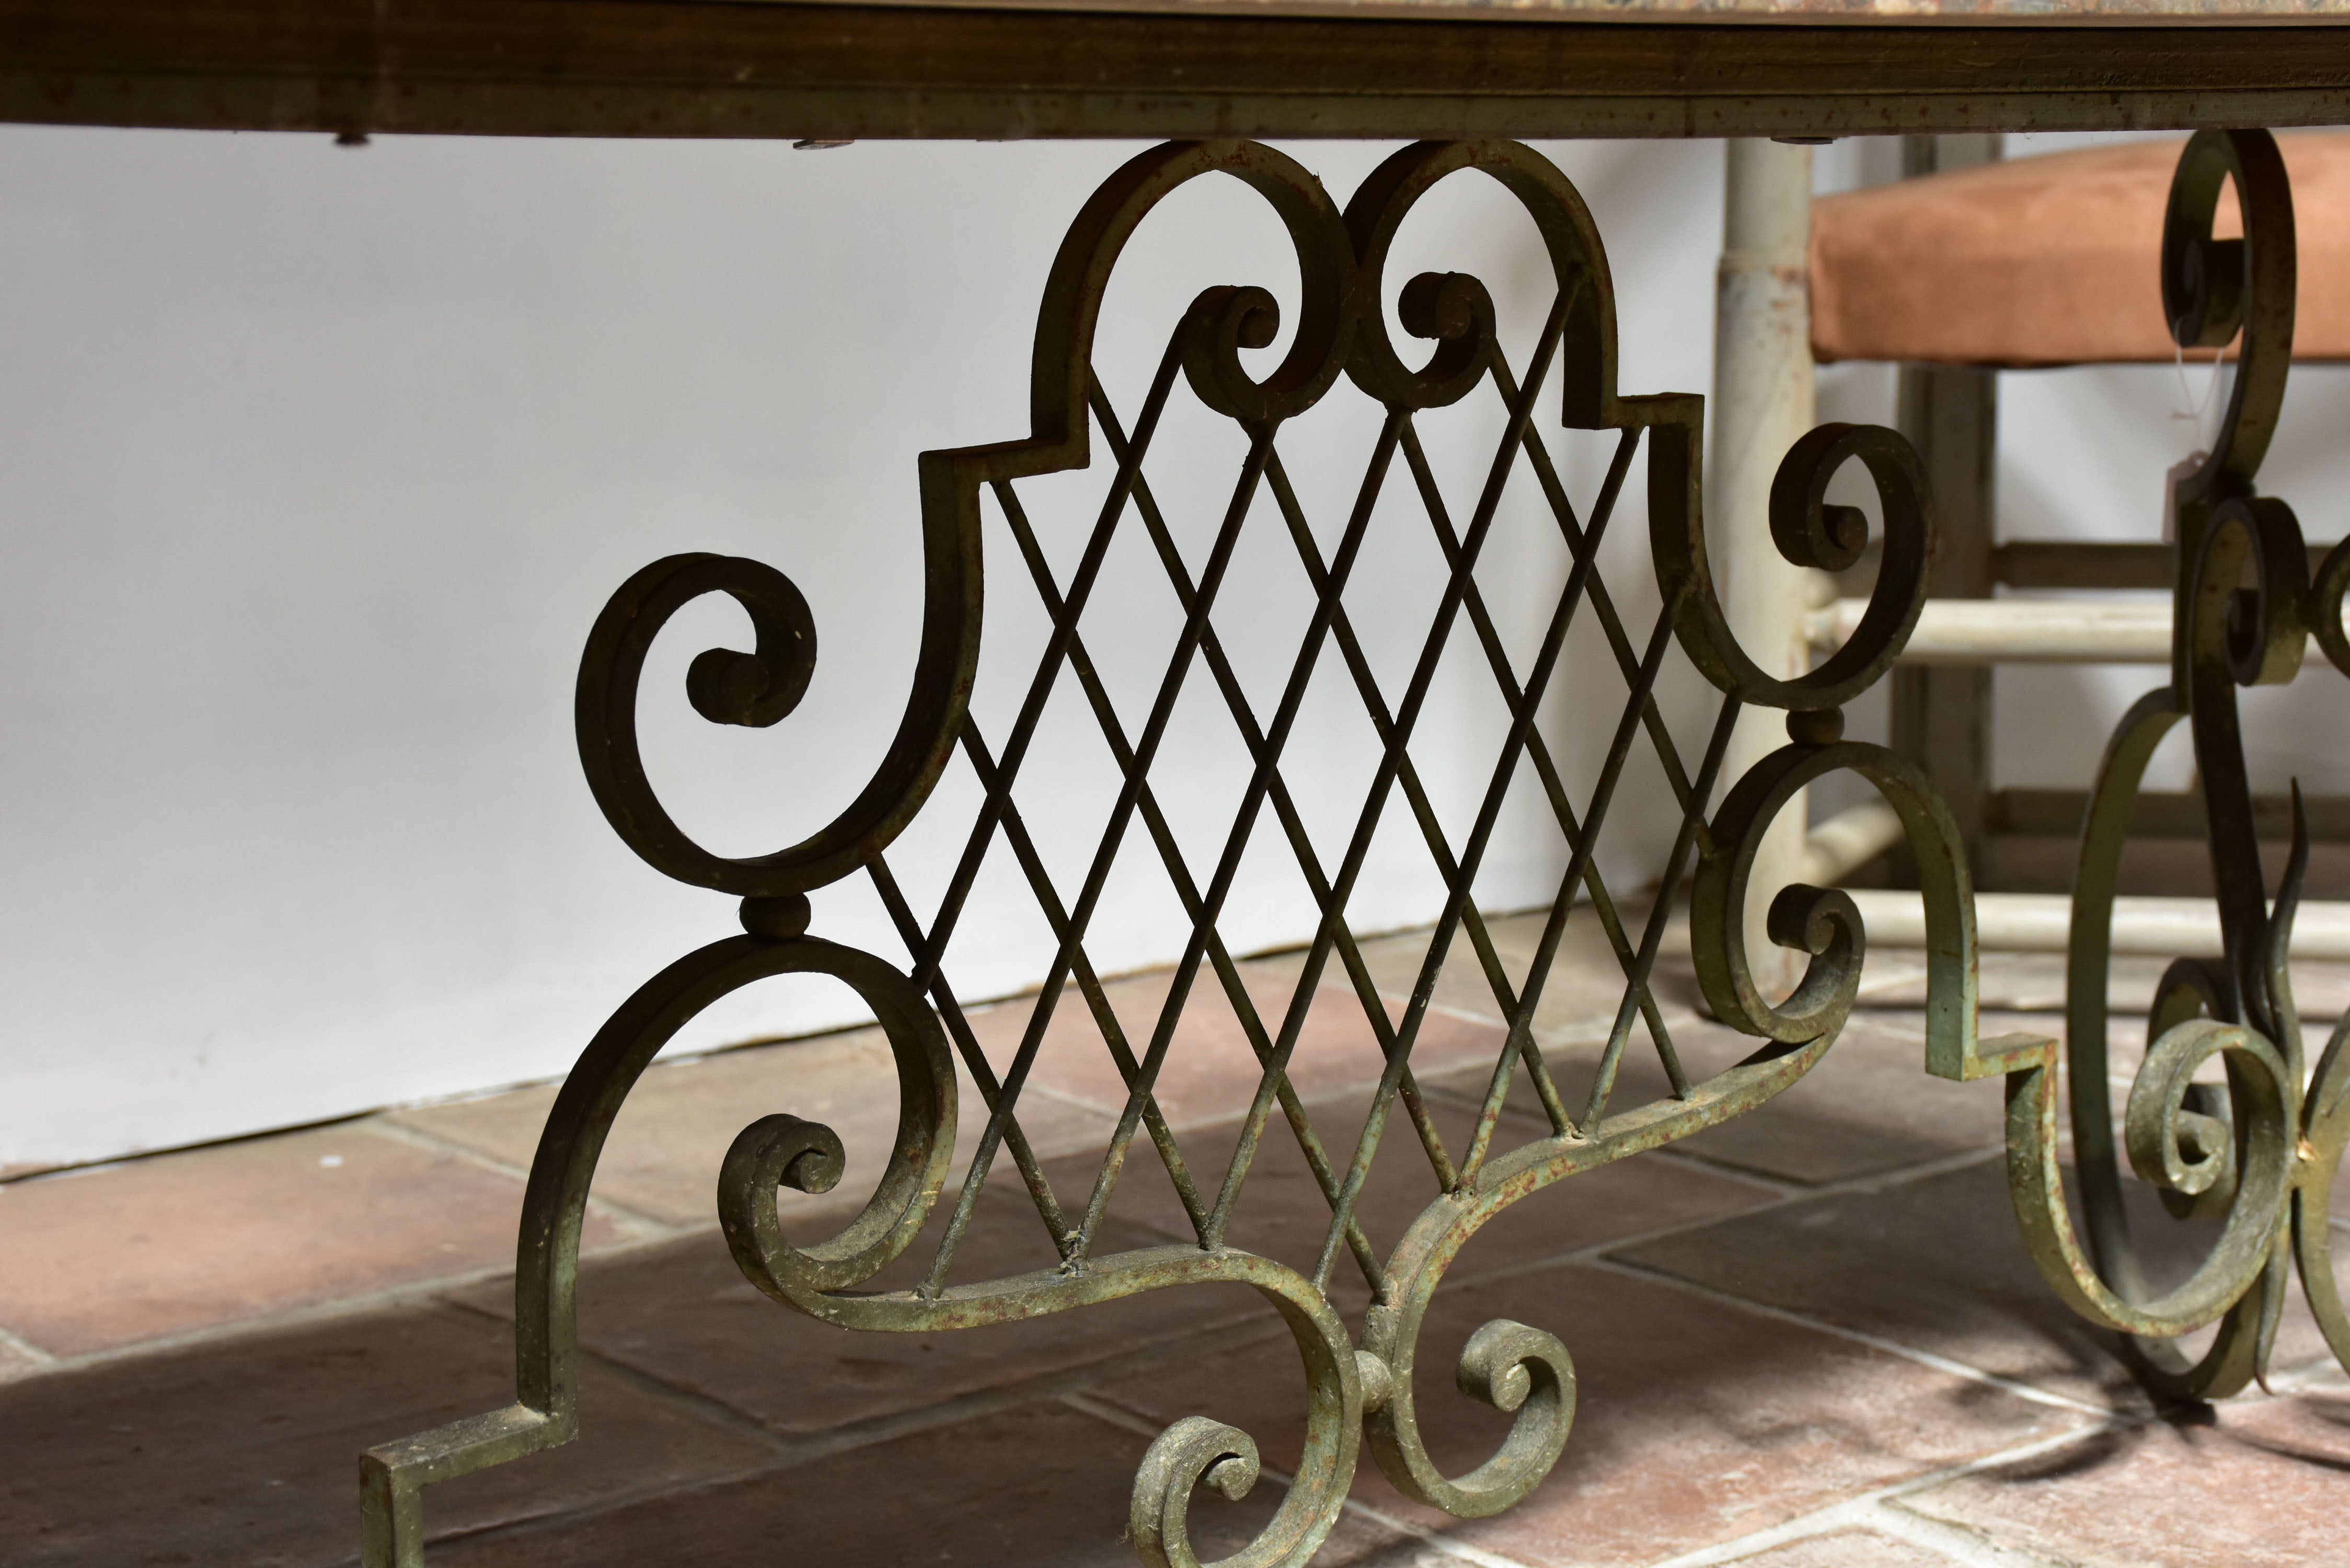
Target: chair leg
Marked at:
1941, 718
1942, 714
1762, 405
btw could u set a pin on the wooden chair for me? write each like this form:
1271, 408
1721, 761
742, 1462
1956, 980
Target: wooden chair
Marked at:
1977, 264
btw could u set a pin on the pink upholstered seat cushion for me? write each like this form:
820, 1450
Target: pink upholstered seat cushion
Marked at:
2050, 260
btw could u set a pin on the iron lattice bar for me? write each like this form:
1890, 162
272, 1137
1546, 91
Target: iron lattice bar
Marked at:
2179, 1134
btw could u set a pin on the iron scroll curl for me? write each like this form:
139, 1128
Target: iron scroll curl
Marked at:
1822, 924
759, 689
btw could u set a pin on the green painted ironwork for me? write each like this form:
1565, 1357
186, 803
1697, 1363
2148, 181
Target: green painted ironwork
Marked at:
2258, 1152
2254, 1147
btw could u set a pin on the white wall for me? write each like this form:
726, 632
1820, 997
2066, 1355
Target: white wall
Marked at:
316, 464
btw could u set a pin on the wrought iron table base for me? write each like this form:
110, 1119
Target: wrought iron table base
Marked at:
2262, 1151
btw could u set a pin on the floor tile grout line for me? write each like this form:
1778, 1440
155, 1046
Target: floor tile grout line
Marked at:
707, 1408
1875, 1182
409, 1293
801, 1447
1778, 1186
1795, 1199
703, 1406
35, 1173
1134, 1421
1058, 1384
1956, 1542
1119, 1415
612, 1502
1597, 1250
1441, 1541
1923, 1358
624, 1215
1076, 1102
1866, 1507
1890, 1499
1866, 1182
26, 1348
418, 1295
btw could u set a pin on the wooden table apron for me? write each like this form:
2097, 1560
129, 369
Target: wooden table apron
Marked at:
692, 67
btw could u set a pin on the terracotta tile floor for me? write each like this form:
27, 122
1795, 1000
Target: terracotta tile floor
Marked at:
1809, 1339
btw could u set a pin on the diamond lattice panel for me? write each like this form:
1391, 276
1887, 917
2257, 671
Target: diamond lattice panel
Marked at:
1202, 778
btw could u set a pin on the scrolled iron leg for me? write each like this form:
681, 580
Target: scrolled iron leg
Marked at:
393, 1476
2259, 1153
545, 1411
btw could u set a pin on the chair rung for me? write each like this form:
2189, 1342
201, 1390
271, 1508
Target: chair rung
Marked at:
2043, 924
2020, 632
2164, 813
